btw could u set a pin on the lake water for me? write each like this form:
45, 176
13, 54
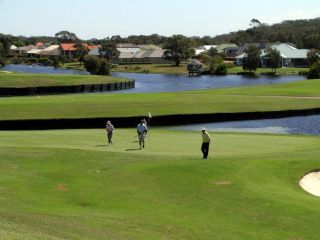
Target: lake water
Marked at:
165, 83
172, 83
309, 125
32, 69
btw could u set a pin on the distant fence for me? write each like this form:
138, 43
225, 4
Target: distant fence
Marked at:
168, 120
87, 88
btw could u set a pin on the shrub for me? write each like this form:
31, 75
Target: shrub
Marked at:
221, 69
96, 65
43, 61
314, 72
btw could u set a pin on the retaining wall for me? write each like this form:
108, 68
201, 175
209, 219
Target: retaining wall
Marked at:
168, 120
87, 88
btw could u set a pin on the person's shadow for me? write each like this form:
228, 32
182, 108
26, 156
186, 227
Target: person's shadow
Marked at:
132, 149
102, 145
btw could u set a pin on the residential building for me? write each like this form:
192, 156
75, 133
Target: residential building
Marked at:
290, 56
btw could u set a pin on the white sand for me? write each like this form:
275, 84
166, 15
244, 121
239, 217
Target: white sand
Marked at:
311, 183
5, 72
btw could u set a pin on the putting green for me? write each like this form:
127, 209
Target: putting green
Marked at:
68, 184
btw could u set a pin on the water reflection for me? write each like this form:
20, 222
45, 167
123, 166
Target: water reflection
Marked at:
174, 83
309, 125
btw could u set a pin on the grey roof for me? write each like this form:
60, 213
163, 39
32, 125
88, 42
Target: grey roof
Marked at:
126, 45
143, 54
94, 52
26, 48
287, 51
126, 55
129, 50
149, 47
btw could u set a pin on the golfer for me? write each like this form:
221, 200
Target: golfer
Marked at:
142, 130
109, 129
205, 143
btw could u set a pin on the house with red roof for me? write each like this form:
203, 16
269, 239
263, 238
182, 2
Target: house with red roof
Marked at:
70, 50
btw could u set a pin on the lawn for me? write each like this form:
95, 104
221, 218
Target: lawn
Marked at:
151, 68
249, 99
280, 71
69, 185
36, 80
306, 88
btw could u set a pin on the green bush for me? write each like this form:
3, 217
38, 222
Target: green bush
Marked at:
221, 69
96, 65
314, 72
43, 61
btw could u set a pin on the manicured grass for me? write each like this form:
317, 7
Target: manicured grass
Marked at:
280, 71
307, 88
205, 101
151, 68
117, 105
36, 80
73, 66
70, 185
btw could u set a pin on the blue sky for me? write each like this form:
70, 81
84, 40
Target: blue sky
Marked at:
103, 18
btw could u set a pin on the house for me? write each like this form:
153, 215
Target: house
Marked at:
154, 56
25, 49
127, 48
50, 51
70, 50
221, 48
290, 56
94, 51
203, 49
12, 49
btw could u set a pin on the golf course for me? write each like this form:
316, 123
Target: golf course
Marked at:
69, 184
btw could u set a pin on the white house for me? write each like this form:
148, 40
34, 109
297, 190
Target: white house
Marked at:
290, 56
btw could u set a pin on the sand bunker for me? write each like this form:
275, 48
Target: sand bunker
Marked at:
311, 183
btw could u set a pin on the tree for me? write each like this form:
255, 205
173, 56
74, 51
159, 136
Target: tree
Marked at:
314, 72
255, 23
177, 49
252, 59
81, 52
96, 65
212, 52
109, 50
66, 37
313, 56
274, 58
2, 54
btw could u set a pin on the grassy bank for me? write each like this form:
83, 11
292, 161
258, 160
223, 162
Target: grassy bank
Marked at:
306, 88
37, 80
250, 99
151, 68
280, 71
69, 185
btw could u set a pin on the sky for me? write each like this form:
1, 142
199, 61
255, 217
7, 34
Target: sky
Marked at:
105, 18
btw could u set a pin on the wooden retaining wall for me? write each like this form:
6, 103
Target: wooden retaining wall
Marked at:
87, 88
168, 120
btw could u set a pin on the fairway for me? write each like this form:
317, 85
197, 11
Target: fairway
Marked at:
68, 184
19, 80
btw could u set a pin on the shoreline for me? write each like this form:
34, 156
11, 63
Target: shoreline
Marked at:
157, 121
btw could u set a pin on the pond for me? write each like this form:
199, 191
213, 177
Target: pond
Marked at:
173, 83
308, 125
36, 69
165, 83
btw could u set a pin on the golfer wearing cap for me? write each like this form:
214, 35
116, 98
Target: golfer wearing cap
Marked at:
142, 130
109, 129
205, 143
